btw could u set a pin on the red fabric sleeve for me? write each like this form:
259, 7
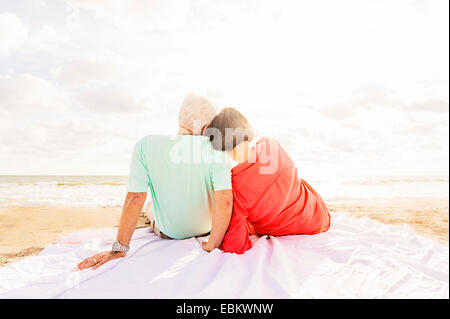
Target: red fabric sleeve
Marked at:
237, 239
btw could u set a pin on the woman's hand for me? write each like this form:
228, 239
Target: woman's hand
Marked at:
206, 245
99, 259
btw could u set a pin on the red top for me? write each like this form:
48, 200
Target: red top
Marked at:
270, 199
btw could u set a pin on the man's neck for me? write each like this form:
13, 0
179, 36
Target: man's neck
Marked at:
184, 131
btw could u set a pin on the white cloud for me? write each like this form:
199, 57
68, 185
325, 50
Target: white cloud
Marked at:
379, 96
113, 98
47, 38
358, 84
27, 93
90, 70
134, 13
430, 105
13, 33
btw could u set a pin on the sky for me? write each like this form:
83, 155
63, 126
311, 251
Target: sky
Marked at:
348, 87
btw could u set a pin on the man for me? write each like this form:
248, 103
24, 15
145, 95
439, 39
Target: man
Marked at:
189, 181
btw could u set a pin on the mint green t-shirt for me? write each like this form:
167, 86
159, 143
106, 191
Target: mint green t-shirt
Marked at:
182, 172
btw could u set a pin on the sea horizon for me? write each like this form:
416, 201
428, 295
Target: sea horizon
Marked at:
110, 190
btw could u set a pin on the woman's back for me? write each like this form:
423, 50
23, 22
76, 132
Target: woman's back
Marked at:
270, 198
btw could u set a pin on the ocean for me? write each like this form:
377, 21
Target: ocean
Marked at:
419, 201
88, 191
109, 191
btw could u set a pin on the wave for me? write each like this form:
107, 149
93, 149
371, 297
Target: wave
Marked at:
70, 184
88, 184
395, 180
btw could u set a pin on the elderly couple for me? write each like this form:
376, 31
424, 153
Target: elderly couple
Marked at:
196, 192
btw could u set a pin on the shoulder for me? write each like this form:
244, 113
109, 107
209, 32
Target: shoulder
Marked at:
210, 155
146, 144
267, 140
155, 138
266, 145
158, 139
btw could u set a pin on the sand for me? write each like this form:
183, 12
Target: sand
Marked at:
427, 216
25, 231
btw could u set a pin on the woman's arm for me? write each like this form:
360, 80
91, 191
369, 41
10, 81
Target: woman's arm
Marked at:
221, 218
237, 239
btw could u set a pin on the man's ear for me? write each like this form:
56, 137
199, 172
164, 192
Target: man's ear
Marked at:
204, 128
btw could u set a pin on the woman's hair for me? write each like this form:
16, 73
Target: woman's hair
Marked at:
228, 129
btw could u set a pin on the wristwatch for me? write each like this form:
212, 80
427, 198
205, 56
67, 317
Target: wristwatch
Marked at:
116, 247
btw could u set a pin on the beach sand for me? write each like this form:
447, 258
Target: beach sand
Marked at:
25, 231
427, 216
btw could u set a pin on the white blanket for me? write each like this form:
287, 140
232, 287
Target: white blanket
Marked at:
356, 258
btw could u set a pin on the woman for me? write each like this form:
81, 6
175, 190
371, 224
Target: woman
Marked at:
269, 197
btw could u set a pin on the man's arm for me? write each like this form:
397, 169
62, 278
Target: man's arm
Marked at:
130, 214
221, 218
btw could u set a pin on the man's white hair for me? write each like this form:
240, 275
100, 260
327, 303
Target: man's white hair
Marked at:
195, 113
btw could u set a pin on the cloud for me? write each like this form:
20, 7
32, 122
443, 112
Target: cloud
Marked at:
142, 14
114, 98
379, 96
47, 39
86, 78
339, 111
430, 105
85, 72
101, 81
28, 93
13, 33
365, 97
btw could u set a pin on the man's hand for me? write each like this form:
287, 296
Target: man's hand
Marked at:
99, 259
130, 214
